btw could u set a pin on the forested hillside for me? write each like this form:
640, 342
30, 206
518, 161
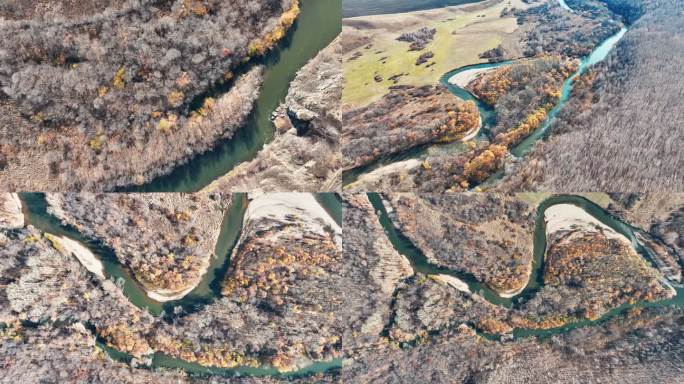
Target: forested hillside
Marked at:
622, 128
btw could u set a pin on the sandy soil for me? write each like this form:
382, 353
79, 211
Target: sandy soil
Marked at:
372, 177
453, 281
563, 217
278, 206
11, 215
462, 79
73, 248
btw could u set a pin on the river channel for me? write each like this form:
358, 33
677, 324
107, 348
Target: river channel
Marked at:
422, 265
317, 25
488, 114
207, 291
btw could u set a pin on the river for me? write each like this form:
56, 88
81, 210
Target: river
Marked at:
488, 115
317, 25
207, 291
597, 55
422, 265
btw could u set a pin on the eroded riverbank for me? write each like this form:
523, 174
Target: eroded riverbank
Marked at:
317, 25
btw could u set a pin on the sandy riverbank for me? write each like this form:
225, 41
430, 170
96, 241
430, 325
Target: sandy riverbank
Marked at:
564, 217
462, 79
453, 281
373, 177
278, 206
73, 248
164, 295
508, 294
11, 215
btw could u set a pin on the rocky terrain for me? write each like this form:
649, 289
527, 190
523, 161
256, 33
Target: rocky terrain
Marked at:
304, 155
376, 269
87, 88
167, 240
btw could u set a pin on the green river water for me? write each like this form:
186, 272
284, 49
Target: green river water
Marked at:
207, 291
317, 25
422, 265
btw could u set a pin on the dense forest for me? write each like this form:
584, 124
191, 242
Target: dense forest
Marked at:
620, 131
165, 239
423, 329
488, 236
85, 98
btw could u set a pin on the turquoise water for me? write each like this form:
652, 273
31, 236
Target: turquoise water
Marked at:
332, 204
487, 114
599, 54
422, 265
35, 209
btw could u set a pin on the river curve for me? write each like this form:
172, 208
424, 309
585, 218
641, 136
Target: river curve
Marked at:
422, 265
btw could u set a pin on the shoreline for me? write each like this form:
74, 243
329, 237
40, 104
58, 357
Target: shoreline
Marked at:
164, 295
278, 206
462, 79
473, 133
69, 247
452, 281
11, 214
374, 175
567, 217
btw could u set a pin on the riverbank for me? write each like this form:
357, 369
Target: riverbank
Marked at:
567, 217
11, 215
280, 206
69, 247
374, 60
304, 155
462, 79
315, 28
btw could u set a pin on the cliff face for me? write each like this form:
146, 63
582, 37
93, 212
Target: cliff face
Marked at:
304, 155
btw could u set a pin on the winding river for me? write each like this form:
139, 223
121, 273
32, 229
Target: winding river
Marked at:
488, 114
207, 291
317, 25
422, 265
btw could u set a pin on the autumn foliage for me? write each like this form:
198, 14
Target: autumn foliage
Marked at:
268, 41
487, 162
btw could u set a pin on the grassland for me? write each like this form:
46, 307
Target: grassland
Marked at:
463, 33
